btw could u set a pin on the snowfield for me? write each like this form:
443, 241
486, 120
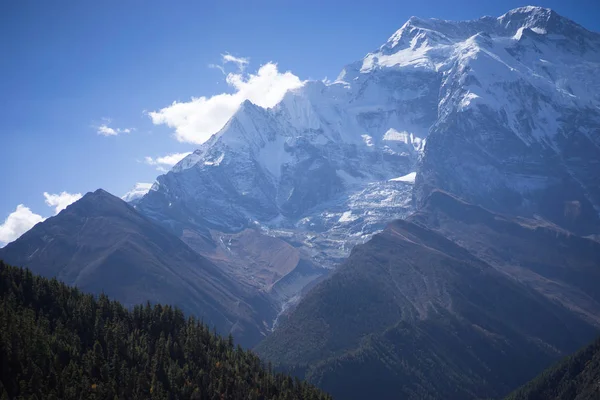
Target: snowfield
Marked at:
503, 112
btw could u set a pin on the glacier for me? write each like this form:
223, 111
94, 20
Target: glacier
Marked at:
502, 112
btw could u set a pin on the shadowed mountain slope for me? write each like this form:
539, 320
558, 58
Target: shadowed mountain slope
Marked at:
577, 377
418, 315
102, 244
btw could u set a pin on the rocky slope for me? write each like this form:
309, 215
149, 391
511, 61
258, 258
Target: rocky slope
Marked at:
564, 272
518, 118
503, 112
102, 245
420, 315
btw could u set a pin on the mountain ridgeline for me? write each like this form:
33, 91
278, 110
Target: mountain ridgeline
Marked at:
501, 112
59, 343
103, 245
424, 227
421, 315
575, 377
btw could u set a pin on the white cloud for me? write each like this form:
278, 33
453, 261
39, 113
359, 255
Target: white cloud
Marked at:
197, 120
166, 161
17, 223
241, 62
138, 191
61, 201
106, 130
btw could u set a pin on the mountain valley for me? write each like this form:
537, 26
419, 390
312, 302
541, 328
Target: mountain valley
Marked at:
425, 226
102, 245
487, 110
422, 315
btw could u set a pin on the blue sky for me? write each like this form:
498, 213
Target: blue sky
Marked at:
69, 69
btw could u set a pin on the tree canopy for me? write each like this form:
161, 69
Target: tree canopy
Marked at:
59, 343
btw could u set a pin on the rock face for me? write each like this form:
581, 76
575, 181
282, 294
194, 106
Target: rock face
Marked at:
503, 112
101, 244
312, 164
420, 315
318, 171
518, 124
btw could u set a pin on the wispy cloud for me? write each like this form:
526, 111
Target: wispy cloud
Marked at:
241, 62
105, 130
219, 67
163, 162
195, 121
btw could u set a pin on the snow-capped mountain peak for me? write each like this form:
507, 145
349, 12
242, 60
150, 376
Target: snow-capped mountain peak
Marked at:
528, 17
139, 190
501, 111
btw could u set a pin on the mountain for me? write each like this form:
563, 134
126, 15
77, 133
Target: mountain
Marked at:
482, 135
421, 315
103, 245
548, 259
307, 187
518, 112
138, 191
58, 343
503, 112
577, 377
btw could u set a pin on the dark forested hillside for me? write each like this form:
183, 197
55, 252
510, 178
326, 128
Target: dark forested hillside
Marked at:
577, 377
58, 343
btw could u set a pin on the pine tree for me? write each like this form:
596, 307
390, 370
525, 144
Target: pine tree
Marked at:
58, 343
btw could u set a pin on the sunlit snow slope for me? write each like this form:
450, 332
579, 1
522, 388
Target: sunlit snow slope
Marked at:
503, 112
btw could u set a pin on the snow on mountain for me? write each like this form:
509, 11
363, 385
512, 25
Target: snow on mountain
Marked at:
410, 178
138, 191
519, 111
504, 112
517, 119
321, 146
